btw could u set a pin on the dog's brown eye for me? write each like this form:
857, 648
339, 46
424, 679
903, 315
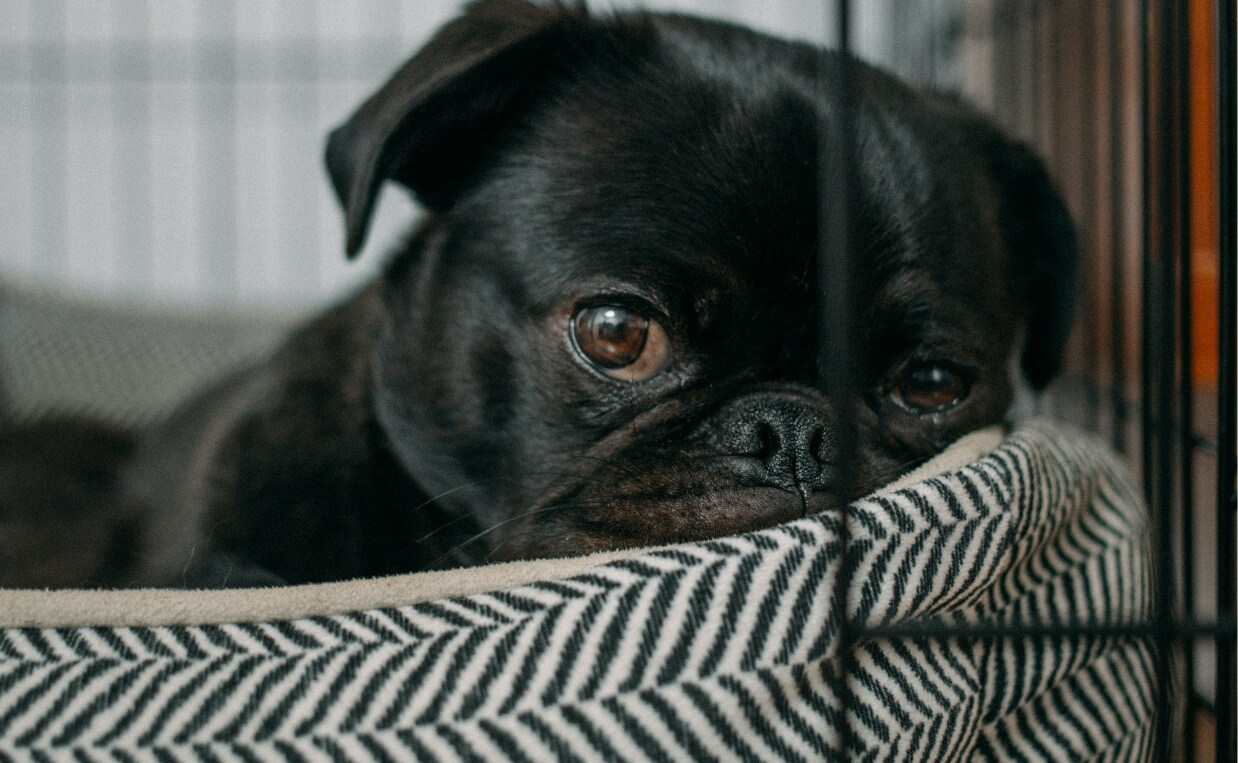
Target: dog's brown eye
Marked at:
620, 342
927, 388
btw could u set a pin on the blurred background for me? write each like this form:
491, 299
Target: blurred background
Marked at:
169, 153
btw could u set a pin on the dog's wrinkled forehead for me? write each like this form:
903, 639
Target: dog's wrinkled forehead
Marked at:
695, 173
706, 188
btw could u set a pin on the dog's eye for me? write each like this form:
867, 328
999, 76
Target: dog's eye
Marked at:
927, 388
620, 342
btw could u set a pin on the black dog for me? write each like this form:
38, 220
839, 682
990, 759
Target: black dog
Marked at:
605, 332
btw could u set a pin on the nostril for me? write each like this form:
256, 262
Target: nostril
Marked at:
816, 447
768, 441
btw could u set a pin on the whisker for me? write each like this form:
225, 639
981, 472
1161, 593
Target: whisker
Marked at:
505, 541
449, 491
474, 483
523, 515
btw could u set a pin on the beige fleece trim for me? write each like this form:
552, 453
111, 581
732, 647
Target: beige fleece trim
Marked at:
155, 607
966, 450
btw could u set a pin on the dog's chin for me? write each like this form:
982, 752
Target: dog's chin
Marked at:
592, 522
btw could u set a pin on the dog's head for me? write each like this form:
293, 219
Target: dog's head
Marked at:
607, 332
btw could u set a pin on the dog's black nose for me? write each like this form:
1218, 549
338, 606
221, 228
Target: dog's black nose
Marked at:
780, 440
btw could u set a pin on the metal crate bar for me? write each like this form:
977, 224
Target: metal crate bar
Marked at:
1185, 387
1227, 198
1117, 252
836, 172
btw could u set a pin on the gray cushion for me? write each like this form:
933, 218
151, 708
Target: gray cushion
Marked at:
127, 366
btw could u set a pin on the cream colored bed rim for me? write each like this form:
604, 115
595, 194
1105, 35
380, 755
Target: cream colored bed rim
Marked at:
157, 607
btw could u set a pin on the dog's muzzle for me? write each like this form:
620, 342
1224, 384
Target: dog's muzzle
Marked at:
778, 439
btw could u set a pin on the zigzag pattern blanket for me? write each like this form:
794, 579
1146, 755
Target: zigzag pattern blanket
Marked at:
712, 651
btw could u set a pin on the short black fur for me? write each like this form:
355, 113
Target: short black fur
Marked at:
664, 169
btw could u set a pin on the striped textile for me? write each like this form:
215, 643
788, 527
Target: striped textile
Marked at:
723, 650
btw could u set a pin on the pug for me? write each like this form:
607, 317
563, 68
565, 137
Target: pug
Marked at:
606, 331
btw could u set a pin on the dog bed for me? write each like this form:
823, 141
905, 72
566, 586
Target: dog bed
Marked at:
721, 650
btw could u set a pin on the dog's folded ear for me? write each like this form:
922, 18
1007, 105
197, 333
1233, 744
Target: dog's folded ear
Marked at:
1040, 237
429, 126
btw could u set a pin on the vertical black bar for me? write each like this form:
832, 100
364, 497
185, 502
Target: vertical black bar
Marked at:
1089, 192
1164, 361
1117, 254
1186, 422
1147, 425
836, 173
1227, 152
1157, 330
1055, 70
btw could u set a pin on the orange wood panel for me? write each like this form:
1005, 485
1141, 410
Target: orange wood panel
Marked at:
1205, 263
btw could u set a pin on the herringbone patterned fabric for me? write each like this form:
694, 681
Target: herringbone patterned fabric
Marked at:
714, 651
